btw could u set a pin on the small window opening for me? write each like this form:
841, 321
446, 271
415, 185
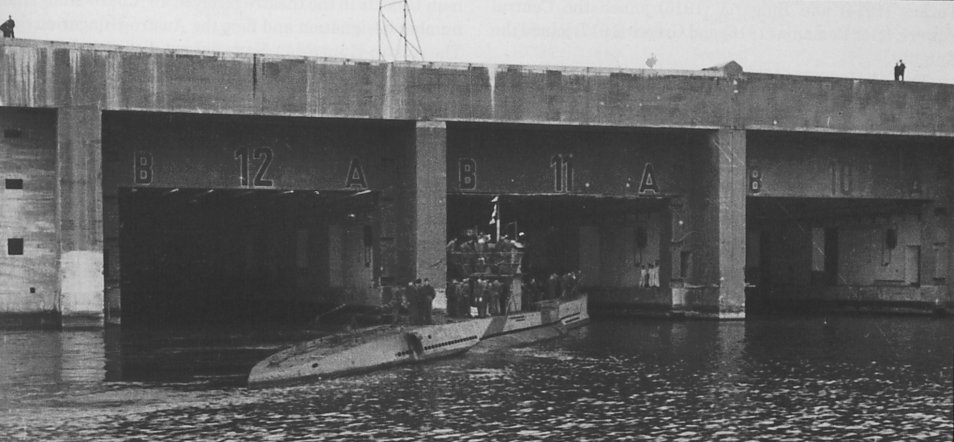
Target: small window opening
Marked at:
685, 260
12, 133
14, 246
14, 183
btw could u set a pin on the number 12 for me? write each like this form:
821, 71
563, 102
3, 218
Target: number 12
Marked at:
262, 153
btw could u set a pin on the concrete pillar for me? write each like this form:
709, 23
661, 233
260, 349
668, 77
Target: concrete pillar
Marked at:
716, 286
937, 235
430, 202
79, 216
946, 217
935, 240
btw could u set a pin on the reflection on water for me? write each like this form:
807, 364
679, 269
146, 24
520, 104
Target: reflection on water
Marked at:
779, 378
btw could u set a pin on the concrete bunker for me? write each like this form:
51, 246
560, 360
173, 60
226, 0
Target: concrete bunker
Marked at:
29, 258
82, 122
594, 199
241, 219
833, 254
847, 222
612, 242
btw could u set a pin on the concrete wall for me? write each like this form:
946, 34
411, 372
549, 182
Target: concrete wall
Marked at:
822, 104
430, 203
865, 258
80, 215
207, 151
847, 166
51, 74
28, 282
620, 257
714, 226
524, 160
620, 262
82, 81
862, 186
865, 262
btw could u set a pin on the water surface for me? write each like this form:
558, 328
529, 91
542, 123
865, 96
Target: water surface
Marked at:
775, 378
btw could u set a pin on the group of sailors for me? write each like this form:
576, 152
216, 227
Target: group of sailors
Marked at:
477, 297
475, 253
482, 242
649, 275
471, 297
555, 286
417, 299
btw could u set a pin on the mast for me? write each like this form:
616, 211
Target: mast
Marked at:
386, 27
404, 31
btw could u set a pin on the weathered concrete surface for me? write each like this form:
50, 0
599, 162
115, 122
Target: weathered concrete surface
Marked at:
847, 166
430, 218
859, 187
716, 285
947, 223
942, 233
54, 74
79, 215
784, 102
28, 282
518, 159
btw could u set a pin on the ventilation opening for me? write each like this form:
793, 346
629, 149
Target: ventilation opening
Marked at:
12, 133
14, 246
14, 183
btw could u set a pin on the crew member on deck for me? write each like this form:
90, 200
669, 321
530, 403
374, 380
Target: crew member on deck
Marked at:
504, 297
480, 297
553, 286
568, 285
413, 295
396, 302
452, 299
427, 295
493, 288
466, 297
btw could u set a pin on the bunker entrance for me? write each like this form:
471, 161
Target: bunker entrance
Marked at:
823, 253
198, 257
606, 239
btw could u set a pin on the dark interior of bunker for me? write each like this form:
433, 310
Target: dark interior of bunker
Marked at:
202, 256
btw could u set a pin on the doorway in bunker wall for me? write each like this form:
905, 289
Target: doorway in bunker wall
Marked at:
612, 242
197, 257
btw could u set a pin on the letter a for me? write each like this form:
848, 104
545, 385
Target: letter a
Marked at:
647, 184
356, 178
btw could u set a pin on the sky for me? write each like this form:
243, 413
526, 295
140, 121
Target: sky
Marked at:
853, 39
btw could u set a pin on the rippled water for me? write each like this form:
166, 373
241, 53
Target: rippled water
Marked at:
782, 378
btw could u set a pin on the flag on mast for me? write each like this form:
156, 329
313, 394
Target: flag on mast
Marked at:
495, 216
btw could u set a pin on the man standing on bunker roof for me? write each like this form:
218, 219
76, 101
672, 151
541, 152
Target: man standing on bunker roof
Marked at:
7, 27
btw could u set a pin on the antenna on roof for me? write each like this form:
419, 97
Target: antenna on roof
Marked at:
386, 27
